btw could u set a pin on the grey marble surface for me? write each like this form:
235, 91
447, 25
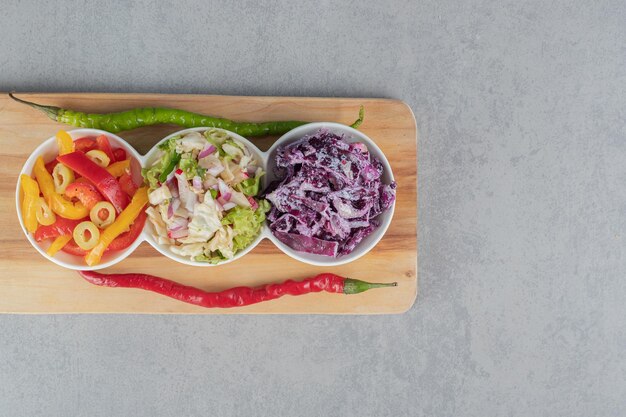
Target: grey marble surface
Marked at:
522, 309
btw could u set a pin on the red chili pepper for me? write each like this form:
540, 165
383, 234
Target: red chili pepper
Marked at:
100, 177
105, 146
85, 192
119, 243
127, 184
234, 297
119, 154
85, 144
61, 226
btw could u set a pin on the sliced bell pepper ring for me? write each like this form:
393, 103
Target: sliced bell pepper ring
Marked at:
100, 177
64, 140
30, 204
119, 154
58, 244
85, 144
44, 179
119, 243
86, 193
127, 184
60, 227
119, 226
103, 144
118, 168
65, 208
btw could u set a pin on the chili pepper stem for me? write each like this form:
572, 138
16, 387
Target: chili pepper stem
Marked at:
50, 111
355, 286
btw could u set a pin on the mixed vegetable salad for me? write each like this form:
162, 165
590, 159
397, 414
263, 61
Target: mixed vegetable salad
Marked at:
328, 194
202, 190
85, 200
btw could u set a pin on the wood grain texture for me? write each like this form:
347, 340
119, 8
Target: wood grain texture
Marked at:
31, 284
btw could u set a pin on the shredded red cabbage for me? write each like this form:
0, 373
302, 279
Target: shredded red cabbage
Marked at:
327, 195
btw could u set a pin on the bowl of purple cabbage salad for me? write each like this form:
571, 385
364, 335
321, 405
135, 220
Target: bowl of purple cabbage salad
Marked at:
331, 192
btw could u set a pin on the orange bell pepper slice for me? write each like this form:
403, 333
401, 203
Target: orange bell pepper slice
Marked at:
30, 202
117, 169
86, 193
121, 224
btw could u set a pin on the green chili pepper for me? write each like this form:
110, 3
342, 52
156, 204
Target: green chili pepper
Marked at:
169, 167
148, 116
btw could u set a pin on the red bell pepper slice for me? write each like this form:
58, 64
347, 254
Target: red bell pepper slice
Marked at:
100, 177
50, 166
119, 243
119, 154
127, 238
105, 146
85, 144
61, 226
127, 184
72, 248
85, 193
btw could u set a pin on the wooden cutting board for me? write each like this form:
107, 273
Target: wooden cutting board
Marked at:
31, 284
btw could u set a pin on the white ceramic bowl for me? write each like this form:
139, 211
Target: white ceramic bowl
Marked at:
350, 135
49, 150
148, 233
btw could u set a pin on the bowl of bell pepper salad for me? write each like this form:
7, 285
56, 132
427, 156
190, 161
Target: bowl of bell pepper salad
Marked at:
80, 199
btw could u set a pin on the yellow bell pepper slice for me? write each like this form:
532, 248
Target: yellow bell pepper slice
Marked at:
65, 142
117, 169
30, 203
119, 226
65, 208
44, 179
58, 244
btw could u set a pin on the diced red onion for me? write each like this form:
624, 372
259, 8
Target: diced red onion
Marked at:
180, 222
197, 183
174, 205
188, 197
208, 150
253, 204
224, 190
216, 170
178, 234
173, 187
229, 205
